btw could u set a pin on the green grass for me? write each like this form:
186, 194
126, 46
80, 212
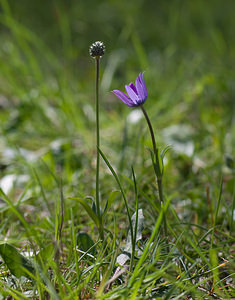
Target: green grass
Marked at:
47, 146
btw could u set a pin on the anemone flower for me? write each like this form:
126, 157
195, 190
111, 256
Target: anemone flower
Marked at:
136, 94
136, 97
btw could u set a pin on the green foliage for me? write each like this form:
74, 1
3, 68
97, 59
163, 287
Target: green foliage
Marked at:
88, 209
47, 167
85, 243
16, 262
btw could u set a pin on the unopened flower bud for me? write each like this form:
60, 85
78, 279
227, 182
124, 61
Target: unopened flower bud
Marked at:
97, 49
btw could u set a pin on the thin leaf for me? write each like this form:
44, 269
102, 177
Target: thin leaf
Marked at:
160, 163
122, 191
165, 150
88, 209
126, 253
110, 200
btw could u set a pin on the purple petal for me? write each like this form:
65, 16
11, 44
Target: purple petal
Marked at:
131, 93
123, 97
140, 88
144, 86
131, 85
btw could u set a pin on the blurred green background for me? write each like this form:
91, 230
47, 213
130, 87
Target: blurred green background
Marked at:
186, 49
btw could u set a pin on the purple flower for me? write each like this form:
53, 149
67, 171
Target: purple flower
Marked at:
137, 94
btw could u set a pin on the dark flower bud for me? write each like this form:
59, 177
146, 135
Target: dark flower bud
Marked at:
97, 49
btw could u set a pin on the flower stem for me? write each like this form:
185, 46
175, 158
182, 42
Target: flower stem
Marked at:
101, 230
157, 167
150, 129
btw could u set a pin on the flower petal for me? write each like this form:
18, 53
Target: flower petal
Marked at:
123, 97
131, 85
136, 94
140, 88
131, 93
144, 86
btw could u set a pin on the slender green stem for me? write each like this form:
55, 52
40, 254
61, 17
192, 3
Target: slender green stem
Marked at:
150, 129
101, 231
157, 167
